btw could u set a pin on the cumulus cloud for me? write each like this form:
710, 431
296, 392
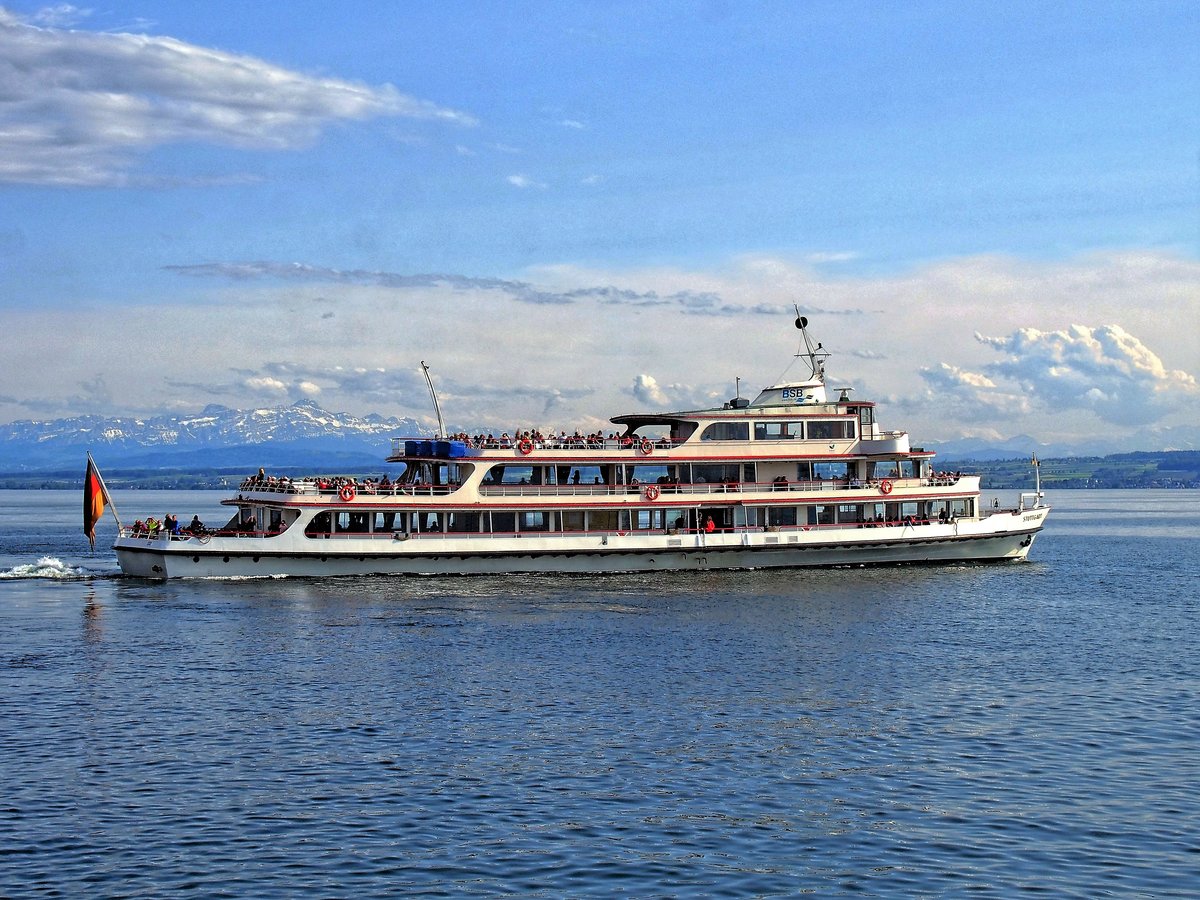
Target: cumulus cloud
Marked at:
970, 396
1103, 369
77, 107
646, 389
263, 384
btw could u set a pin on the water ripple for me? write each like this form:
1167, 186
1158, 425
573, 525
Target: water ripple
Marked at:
942, 731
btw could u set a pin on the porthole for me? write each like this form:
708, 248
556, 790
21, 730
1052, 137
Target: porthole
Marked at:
195, 559
226, 559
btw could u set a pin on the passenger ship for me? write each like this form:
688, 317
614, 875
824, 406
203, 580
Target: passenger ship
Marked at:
793, 478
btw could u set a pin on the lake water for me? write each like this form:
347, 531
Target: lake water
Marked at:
985, 730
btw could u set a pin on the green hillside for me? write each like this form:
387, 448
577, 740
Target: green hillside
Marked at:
1161, 469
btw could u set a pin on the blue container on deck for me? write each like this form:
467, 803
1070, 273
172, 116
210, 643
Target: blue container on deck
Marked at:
412, 448
457, 450
424, 448
441, 449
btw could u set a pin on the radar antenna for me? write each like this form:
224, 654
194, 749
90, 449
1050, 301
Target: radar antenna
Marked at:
815, 355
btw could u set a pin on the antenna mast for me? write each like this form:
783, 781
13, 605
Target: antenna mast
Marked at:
436, 408
817, 355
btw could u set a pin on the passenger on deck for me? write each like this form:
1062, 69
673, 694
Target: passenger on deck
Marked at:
196, 526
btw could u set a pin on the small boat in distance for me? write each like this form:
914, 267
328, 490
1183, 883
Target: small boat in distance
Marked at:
792, 478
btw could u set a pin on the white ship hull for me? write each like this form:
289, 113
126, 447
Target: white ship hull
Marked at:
1004, 536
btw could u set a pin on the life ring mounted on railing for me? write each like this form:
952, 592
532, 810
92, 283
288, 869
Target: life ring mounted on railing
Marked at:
646, 447
652, 492
885, 486
525, 446
346, 493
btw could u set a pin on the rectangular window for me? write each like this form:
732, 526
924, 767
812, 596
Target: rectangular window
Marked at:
504, 522
781, 515
386, 521
820, 431
533, 521
648, 474
602, 520
572, 520
778, 431
716, 474
831, 430
820, 515
463, 522
727, 431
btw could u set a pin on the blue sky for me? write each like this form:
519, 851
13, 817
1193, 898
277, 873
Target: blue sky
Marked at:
991, 212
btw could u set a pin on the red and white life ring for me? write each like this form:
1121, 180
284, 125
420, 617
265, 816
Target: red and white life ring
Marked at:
652, 492
647, 448
525, 446
885, 486
346, 493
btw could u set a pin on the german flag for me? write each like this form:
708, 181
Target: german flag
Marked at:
95, 498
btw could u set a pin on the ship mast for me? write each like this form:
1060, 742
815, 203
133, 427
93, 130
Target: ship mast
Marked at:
436, 408
814, 355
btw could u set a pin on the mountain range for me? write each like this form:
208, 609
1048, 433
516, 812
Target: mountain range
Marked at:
302, 434
305, 435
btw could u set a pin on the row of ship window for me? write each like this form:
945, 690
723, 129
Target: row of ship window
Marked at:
416, 522
796, 430
667, 473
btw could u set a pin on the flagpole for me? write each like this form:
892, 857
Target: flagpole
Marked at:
104, 490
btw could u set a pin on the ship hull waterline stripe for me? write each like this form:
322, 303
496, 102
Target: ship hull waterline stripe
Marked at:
761, 556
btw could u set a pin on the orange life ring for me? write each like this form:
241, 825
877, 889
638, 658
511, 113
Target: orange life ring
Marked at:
647, 447
525, 446
652, 492
885, 487
346, 493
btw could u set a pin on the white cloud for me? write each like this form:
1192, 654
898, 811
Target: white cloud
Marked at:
970, 397
569, 343
62, 15
826, 257
524, 181
573, 123
77, 107
266, 385
646, 389
1104, 369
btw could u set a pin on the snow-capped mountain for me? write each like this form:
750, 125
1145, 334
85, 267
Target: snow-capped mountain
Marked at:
207, 438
